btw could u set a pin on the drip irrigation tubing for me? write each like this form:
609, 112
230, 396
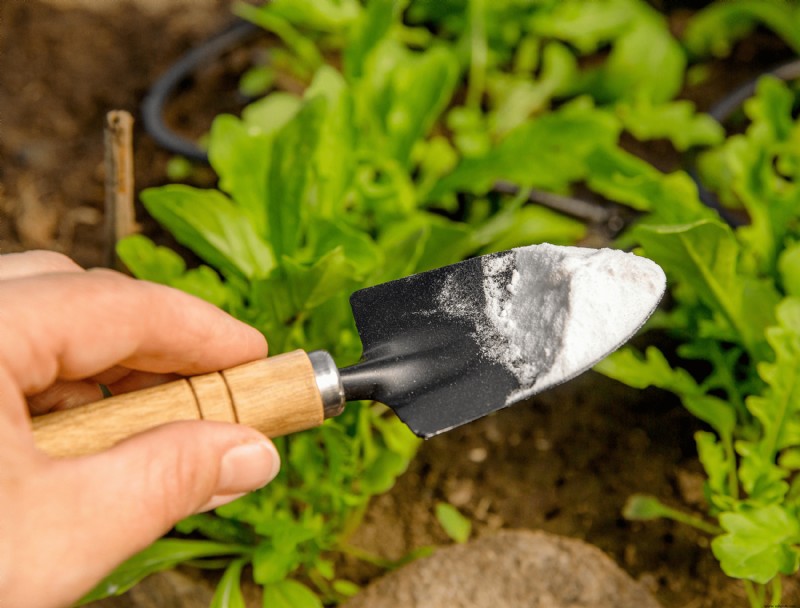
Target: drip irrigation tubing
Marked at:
166, 85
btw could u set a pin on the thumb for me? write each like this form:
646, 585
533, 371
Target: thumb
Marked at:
121, 500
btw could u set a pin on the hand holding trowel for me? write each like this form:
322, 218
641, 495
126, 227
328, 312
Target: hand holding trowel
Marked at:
441, 348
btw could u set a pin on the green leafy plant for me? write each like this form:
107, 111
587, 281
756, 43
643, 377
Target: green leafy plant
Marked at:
736, 307
384, 166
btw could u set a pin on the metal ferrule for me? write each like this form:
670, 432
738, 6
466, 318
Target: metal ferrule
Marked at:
329, 382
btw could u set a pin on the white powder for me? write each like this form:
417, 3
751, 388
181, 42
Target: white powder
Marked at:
552, 312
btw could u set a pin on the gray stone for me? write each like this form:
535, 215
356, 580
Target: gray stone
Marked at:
509, 569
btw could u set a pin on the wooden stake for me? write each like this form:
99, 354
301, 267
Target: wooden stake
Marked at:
119, 209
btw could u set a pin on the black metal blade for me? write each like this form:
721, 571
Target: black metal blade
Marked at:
431, 341
423, 363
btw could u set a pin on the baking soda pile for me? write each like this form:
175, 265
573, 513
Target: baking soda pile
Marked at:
552, 312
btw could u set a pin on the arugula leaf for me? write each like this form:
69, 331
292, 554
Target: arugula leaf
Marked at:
625, 178
516, 98
229, 592
720, 467
745, 169
778, 408
161, 555
547, 152
454, 523
209, 223
676, 121
758, 543
654, 370
706, 255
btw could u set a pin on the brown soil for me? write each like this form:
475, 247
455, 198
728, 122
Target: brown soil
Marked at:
565, 463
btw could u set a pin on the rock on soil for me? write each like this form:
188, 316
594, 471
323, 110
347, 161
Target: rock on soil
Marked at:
509, 569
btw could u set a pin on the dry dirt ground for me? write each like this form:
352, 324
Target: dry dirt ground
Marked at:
565, 463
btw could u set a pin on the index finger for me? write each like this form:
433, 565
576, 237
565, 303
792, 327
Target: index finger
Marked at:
75, 325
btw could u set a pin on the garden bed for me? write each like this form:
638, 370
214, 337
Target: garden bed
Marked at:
565, 463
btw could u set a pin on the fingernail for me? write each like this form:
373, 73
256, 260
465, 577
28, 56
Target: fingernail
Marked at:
247, 467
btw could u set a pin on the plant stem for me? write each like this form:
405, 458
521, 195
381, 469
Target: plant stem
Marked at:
733, 479
777, 591
478, 53
387, 564
691, 520
752, 596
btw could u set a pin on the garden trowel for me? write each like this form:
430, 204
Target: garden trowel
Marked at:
440, 348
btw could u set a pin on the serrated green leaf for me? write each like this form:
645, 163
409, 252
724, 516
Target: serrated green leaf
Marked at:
208, 222
676, 121
758, 543
627, 366
517, 97
625, 178
715, 462
228, 593
776, 407
705, 256
547, 152
454, 523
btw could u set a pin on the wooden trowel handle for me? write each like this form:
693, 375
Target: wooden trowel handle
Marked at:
277, 396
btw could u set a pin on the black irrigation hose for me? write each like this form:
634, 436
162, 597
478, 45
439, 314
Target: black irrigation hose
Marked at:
721, 112
610, 219
165, 86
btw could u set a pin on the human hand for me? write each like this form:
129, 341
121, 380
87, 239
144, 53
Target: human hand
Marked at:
64, 524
